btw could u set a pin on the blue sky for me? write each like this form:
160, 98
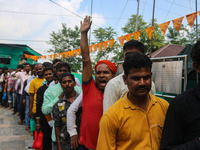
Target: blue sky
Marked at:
34, 20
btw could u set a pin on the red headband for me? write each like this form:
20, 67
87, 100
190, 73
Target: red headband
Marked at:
111, 65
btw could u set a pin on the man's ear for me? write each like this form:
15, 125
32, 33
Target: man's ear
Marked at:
196, 67
125, 79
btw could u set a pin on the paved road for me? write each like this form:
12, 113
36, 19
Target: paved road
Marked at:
12, 135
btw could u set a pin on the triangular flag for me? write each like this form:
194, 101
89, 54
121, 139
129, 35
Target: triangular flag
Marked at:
121, 40
105, 44
164, 26
90, 47
199, 13
62, 55
95, 47
66, 54
150, 31
177, 23
100, 45
136, 35
51, 56
128, 36
45, 57
79, 51
111, 42
76, 51
190, 18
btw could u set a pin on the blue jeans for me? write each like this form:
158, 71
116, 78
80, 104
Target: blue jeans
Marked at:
9, 95
27, 118
18, 101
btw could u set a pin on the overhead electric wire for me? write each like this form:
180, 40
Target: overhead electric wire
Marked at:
169, 10
121, 14
190, 5
23, 40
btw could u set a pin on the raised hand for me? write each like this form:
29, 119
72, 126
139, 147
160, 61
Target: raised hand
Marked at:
85, 25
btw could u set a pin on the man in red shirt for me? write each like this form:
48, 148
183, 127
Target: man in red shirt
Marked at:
92, 106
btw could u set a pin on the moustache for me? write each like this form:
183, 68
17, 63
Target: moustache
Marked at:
141, 87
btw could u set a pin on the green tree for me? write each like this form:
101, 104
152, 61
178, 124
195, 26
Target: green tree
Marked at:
158, 38
67, 39
104, 34
186, 35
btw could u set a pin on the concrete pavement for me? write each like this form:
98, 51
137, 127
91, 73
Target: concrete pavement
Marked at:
12, 135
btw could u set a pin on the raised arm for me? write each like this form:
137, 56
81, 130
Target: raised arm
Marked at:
87, 65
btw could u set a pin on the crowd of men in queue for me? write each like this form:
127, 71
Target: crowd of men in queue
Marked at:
107, 113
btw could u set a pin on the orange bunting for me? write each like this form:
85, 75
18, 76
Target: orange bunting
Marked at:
121, 40
177, 23
76, 52
164, 26
95, 47
190, 18
111, 42
51, 56
90, 47
100, 45
128, 36
199, 13
136, 35
105, 44
150, 31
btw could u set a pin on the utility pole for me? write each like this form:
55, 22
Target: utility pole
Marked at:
91, 20
136, 26
151, 42
196, 23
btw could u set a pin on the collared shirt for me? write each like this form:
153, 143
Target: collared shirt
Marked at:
59, 116
22, 76
116, 89
34, 86
126, 126
182, 125
10, 83
50, 98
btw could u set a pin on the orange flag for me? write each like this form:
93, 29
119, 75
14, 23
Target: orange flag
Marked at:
111, 42
62, 55
51, 56
128, 36
150, 31
66, 54
164, 26
105, 44
190, 18
199, 13
90, 47
45, 57
95, 47
100, 45
76, 51
121, 40
177, 23
136, 35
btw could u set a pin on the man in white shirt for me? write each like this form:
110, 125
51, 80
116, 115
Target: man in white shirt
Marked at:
116, 89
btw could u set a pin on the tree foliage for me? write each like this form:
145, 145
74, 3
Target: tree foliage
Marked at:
158, 38
67, 39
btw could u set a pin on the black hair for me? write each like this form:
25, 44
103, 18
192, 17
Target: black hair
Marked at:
5, 68
20, 66
63, 64
47, 69
134, 44
136, 60
67, 75
55, 75
56, 60
195, 52
32, 66
47, 64
26, 64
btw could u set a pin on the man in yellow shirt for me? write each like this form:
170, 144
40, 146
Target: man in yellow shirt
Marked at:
136, 120
34, 86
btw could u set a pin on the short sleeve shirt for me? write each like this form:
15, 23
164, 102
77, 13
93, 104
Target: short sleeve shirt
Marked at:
92, 110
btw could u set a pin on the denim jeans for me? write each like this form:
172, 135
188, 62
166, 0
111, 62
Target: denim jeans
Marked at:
27, 118
18, 101
9, 95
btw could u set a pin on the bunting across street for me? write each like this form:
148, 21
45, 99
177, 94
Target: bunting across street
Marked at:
163, 27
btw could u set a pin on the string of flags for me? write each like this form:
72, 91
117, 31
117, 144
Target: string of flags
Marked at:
163, 27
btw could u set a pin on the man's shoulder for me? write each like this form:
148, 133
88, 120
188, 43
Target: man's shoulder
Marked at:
116, 107
116, 81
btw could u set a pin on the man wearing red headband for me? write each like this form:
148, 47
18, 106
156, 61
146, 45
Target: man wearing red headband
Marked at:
92, 106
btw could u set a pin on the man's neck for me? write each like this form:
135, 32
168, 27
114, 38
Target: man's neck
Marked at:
41, 77
141, 102
71, 96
